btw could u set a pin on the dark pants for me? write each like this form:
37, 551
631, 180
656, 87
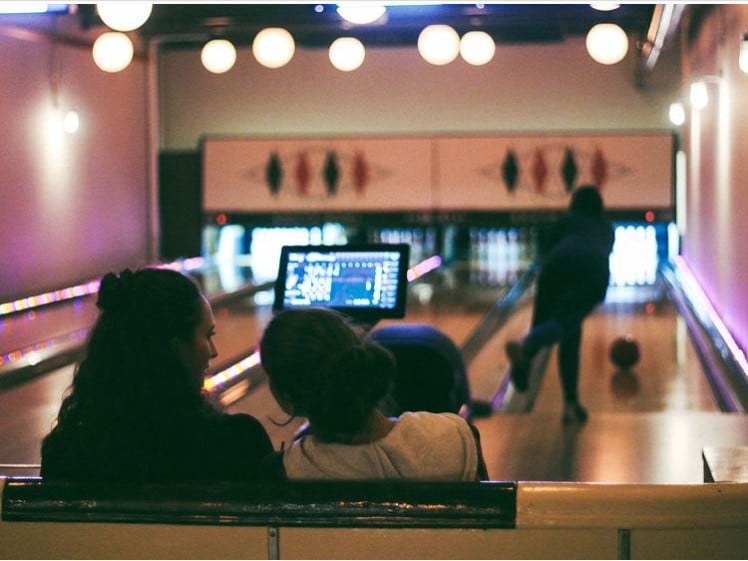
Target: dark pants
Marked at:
571, 283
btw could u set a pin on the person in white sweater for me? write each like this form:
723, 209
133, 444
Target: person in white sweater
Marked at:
322, 367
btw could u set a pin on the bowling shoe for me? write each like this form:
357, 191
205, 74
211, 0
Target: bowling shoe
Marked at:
519, 369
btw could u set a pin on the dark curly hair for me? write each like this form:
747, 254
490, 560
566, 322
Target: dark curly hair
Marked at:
322, 367
130, 392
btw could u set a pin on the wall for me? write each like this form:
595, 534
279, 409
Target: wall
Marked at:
717, 148
548, 87
72, 207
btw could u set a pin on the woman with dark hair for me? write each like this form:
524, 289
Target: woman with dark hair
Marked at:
135, 410
322, 367
572, 281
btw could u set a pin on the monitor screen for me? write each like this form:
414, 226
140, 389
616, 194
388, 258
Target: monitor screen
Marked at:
364, 281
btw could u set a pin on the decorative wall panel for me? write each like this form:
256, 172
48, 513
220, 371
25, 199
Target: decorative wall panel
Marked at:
434, 173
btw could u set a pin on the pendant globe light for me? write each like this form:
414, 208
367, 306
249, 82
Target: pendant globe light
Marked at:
347, 53
477, 47
360, 12
607, 43
124, 16
218, 56
112, 51
273, 47
439, 44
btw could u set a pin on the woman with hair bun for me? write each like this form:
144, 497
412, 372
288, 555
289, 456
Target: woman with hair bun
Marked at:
322, 367
135, 410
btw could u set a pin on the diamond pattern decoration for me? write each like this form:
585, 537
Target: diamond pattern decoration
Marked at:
274, 173
332, 173
539, 170
361, 172
510, 171
303, 174
599, 168
569, 170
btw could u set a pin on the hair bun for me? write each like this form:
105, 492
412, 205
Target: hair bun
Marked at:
114, 290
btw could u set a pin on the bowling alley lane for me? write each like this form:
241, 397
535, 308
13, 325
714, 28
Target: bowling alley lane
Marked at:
22, 330
647, 424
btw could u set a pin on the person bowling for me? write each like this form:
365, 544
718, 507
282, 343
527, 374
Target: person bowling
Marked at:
572, 280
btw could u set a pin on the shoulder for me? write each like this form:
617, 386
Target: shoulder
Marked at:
432, 423
241, 427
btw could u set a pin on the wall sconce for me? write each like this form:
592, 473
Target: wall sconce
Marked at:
699, 95
743, 59
71, 121
677, 113
218, 56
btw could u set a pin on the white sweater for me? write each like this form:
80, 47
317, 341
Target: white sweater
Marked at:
426, 446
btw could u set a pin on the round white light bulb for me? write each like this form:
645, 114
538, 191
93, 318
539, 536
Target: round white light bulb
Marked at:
347, 53
605, 6
477, 47
71, 122
677, 113
607, 43
273, 47
699, 95
124, 16
112, 51
361, 13
439, 44
743, 57
218, 56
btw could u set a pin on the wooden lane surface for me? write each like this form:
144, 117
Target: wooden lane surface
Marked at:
646, 425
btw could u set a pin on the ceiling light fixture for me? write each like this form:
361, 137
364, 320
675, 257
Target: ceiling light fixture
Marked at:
605, 6
218, 56
124, 16
112, 51
438, 44
477, 47
273, 47
607, 43
347, 53
361, 13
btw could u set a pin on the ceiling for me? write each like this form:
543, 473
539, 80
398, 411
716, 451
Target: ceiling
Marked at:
184, 25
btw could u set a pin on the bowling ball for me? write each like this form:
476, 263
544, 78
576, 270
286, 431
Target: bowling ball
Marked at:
624, 351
